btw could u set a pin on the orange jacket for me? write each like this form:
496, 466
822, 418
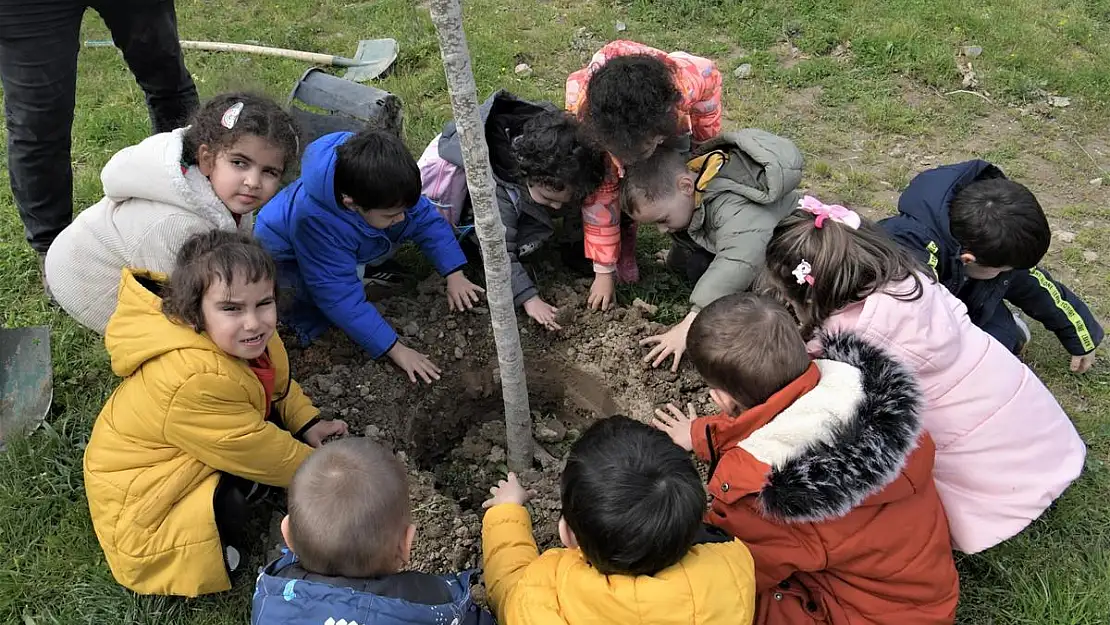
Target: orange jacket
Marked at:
830, 485
699, 113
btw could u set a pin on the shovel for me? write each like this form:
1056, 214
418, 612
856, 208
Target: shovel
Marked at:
26, 380
371, 59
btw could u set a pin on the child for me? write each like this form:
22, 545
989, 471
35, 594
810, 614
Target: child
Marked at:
719, 209
636, 549
982, 236
210, 175
357, 200
206, 412
631, 99
822, 468
1005, 448
350, 528
540, 165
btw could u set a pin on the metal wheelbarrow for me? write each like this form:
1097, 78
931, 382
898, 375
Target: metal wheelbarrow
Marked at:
343, 105
26, 380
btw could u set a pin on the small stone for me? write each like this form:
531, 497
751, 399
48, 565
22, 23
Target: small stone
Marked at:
743, 72
571, 352
372, 431
496, 455
523, 70
411, 329
451, 324
363, 391
461, 531
971, 51
650, 309
1096, 182
621, 27
458, 353
1057, 101
335, 390
1065, 236
460, 340
550, 431
1090, 256
343, 412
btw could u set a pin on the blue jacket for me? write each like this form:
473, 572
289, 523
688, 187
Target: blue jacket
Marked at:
305, 226
922, 226
283, 596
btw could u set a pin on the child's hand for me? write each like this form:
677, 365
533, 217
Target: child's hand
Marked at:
1083, 364
317, 434
542, 312
507, 490
413, 363
462, 294
672, 341
603, 291
676, 424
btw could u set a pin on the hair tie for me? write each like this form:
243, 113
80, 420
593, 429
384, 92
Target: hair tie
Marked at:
231, 115
802, 273
835, 212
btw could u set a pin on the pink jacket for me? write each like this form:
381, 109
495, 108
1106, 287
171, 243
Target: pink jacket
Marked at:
1005, 447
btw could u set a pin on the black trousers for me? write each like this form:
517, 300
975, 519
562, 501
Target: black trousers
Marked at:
39, 42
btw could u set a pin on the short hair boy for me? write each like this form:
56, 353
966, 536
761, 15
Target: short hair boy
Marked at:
350, 528
633, 535
982, 236
720, 209
818, 466
356, 202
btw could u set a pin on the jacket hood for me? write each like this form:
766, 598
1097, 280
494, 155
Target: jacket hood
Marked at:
762, 167
842, 444
152, 170
929, 195
138, 331
503, 115
318, 169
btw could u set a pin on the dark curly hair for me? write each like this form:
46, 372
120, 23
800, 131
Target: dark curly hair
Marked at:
208, 257
260, 117
630, 101
551, 151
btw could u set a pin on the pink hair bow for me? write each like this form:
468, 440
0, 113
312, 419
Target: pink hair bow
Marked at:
835, 212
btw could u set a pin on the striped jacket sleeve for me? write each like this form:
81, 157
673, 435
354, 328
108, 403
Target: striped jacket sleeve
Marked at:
1060, 310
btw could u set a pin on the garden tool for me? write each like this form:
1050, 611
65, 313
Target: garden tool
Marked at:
347, 106
26, 380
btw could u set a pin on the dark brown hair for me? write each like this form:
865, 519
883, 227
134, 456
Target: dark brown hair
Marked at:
651, 179
260, 117
847, 266
207, 258
748, 346
349, 510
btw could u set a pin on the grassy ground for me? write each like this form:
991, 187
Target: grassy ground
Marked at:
868, 115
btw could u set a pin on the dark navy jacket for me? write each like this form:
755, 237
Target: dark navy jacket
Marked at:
922, 226
286, 595
304, 226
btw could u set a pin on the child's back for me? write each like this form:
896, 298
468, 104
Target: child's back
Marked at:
349, 524
632, 509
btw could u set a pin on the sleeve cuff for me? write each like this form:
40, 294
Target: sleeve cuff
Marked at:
599, 268
306, 427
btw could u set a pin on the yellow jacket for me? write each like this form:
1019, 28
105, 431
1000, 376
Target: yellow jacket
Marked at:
713, 585
185, 412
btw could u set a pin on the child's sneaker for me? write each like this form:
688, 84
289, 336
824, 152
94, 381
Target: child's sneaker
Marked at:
389, 274
1026, 335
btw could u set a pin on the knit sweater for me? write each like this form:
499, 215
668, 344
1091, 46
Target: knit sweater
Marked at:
151, 206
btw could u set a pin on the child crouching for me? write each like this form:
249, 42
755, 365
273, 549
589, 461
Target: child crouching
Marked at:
636, 549
822, 468
350, 532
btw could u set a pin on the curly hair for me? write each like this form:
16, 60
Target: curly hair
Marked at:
551, 151
259, 116
630, 101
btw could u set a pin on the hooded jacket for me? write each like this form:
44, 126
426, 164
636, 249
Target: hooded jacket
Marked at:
922, 226
528, 225
308, 231
712, 585
829, 483
740, 206
185, 412
150, 208
286, 594
1005, 448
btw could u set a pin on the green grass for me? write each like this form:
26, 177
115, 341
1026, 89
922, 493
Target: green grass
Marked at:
847, 112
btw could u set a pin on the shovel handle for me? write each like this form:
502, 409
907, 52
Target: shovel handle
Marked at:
309, 57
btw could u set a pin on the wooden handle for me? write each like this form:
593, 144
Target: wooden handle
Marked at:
309, 57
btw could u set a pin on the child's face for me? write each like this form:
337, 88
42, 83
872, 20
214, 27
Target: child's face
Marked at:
240, 317
546, 196
380, 218
975, 271
246, 175
671, 213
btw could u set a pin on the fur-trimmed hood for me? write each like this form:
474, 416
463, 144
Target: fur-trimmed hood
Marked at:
837, 438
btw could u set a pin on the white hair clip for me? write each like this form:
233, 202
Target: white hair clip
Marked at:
802, 271
231, 115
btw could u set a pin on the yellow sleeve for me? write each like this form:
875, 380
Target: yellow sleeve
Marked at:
210, 418
507, 549
296, 408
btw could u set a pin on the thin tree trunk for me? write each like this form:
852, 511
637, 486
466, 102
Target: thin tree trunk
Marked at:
447, 17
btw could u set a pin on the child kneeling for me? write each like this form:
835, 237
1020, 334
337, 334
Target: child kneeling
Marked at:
637, 551
350, 528
822, 468
207, 410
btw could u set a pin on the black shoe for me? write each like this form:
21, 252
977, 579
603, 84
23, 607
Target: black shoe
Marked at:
389, 274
